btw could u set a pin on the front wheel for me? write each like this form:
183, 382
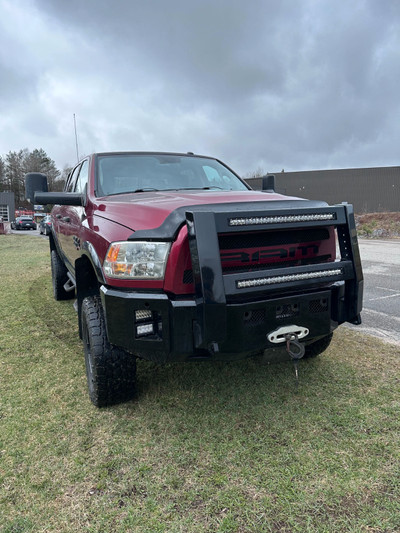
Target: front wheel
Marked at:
318, 347
110, 371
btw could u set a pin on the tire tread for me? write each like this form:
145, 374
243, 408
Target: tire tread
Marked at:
113, 376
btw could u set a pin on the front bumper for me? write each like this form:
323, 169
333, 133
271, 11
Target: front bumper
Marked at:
174, 335
231, 314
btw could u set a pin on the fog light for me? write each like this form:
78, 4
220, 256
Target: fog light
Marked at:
144, 329
142, 314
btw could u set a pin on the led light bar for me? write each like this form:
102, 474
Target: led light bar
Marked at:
259, 282
251, 221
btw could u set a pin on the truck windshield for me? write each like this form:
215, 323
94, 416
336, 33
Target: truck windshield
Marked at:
125, 173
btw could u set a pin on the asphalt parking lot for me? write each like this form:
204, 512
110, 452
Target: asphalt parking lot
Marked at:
381, 309
28, 232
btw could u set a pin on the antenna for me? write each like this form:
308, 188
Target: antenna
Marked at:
76, 140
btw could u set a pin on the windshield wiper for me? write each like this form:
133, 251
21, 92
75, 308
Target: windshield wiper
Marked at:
194, 188
145, 189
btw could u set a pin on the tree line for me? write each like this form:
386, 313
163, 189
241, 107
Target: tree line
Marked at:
14, 166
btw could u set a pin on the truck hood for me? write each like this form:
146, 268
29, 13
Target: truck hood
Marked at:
148, 210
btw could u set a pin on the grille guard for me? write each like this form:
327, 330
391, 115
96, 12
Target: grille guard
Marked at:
213, 287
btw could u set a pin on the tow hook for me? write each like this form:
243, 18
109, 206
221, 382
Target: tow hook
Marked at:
296, 350
291, 335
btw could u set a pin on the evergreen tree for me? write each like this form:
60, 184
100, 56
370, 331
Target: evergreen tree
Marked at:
14, 174
2, 175
17, 164
39, 161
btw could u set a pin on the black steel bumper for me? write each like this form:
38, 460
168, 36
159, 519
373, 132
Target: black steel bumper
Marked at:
232, 314
175, 327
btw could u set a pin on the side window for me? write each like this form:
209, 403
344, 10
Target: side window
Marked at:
68, 182
83, 177
70, 186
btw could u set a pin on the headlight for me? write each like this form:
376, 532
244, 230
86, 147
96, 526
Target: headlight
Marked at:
136, 260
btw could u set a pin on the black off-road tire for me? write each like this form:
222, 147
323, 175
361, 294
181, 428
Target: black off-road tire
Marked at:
110, 371
59, 278
318, 347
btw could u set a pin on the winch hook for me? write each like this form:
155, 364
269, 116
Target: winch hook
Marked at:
296, 350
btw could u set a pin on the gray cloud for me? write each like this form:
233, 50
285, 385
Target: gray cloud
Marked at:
271, 84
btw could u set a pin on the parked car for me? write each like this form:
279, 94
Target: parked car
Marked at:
45, 225
23, 223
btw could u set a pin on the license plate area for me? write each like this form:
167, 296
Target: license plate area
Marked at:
250, 325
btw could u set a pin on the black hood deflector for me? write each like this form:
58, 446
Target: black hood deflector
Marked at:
169, 229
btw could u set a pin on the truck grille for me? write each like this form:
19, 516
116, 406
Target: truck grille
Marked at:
254, 251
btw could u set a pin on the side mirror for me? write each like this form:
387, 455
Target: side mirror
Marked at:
36, 192
60, 198
34, 182
268, 183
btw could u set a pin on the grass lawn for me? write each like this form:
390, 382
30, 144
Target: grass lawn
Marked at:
205, 447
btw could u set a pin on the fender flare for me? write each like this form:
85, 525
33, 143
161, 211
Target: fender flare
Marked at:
84, 277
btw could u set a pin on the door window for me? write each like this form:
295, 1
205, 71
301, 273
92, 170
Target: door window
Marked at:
83, 177
70, 185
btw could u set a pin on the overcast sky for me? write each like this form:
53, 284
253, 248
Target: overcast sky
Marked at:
260, 84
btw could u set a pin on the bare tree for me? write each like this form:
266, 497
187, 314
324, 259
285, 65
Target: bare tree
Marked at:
255, 174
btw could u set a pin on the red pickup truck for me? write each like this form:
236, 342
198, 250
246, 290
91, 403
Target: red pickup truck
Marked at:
172, 257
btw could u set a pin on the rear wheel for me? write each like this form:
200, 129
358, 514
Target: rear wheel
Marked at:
110, 371
318, 347
59, 277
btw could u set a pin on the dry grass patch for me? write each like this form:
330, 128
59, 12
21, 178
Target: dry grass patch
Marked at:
379, 225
